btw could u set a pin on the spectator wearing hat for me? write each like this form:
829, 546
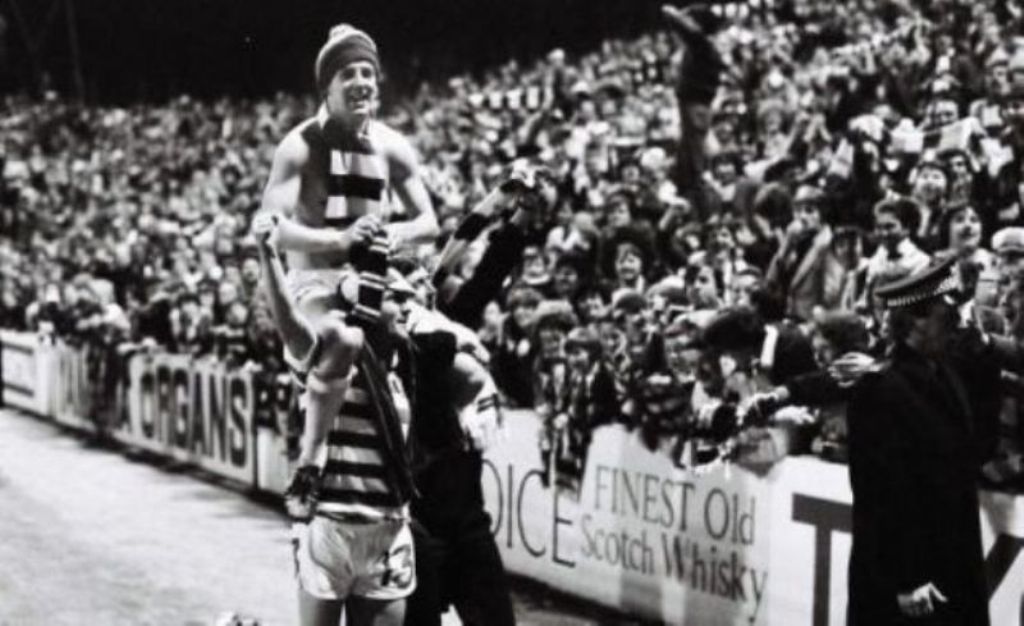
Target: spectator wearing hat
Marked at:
1007, 465
895, 221
804, 269
327, 192
913, 467
1008, 246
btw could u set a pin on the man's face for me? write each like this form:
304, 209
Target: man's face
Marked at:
741, 289
628, 266
958, 165
1013, 111
207, 299
1011, 265
579, 358
965, 230
524, 313
631, 174
935, 328
618, 213
944, 112
725, 171
227, 293
930, 186
353, 91
567, 280
251, 271
611, 337
824, 353
807, 211
190, 309
550, 340
394, 311
238, 314
889, 230
703, 292
725, 129
681, 359
998, 80
724, 239
593, 307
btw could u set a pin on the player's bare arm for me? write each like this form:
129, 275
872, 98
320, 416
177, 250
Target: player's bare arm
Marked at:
281, 198
403, 162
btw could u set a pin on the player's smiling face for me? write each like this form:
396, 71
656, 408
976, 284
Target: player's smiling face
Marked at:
353, 90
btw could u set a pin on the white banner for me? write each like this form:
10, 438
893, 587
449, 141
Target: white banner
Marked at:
726, 547
25, 372
193, 411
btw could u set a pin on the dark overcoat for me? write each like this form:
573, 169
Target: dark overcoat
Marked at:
913, 469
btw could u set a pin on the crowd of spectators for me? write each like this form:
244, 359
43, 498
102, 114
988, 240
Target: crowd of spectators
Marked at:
837, 146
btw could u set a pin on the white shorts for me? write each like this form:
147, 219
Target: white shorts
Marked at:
305, 285
335, 560
313, 292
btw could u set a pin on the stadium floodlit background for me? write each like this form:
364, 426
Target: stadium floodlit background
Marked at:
152, 49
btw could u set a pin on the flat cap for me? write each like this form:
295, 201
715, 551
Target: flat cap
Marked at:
1010, 239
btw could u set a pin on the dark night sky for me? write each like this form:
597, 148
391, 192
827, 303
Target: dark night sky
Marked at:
150, 49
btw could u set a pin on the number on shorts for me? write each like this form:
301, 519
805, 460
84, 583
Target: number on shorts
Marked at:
399, 576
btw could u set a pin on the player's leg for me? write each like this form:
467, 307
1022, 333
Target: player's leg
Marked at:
327, 382
367, 612
323, 568
341, 337
425, 606
476, 577
317, 612
386, 566
294, 325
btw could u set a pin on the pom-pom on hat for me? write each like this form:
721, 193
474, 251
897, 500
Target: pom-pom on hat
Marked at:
345, 44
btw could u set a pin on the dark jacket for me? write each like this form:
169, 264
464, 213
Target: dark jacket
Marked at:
913, 470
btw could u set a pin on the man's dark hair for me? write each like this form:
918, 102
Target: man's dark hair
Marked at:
734, 329
905, 210
847, 332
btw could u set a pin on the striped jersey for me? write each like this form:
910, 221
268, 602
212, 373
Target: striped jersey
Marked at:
353, 477
353, 481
